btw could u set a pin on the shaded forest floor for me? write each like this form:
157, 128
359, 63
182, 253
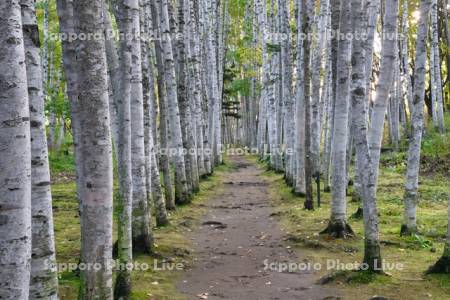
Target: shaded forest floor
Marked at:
297, 235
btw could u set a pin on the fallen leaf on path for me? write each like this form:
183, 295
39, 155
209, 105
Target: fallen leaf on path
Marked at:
203, 296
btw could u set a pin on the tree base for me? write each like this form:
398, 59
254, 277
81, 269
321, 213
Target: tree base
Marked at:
308, 205
338, 230
278, 171
170, 207
358, 214
162, 221
442, 266
142, 245
183, 200
122, 289
372, 257
289, 181
405, 231
298, 194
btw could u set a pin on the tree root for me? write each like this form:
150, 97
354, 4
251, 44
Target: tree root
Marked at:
405, 231
358, 214
142, 244
442, 266
122, 289
298, 194
339, 230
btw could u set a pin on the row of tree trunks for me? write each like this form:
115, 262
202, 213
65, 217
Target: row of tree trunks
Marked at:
325, 83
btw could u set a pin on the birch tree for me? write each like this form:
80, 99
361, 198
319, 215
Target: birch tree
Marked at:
209, 7
182, 194
192, 44
372, 256
184, 104
300, 184
122, 101
320, 27
141, 227
286, 92
436, 84
163, 132
338, 226
154, 184
154, 188
43, 281
410, 197
404, 52
15, 161
95, 184
307, 8
384, 84
334, 24
67, 27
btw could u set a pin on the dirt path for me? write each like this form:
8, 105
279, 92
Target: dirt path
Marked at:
238, 235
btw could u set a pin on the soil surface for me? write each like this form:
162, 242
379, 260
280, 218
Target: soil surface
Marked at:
239, 236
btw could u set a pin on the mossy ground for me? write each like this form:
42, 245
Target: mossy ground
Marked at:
416, 254
172, 243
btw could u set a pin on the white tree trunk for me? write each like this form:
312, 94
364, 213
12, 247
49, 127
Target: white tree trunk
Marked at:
44, 281
299, 186
184, 76
338, 226
15, 161
94, 139
412, 172
121, 108
286, 98
372, 256
67, 27
320, 27
438, 110
154, 188
141, 224
384, 85
406, 70
182, 194
162, 97
327, 94
211, 66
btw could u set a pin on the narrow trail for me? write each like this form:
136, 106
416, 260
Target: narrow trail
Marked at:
238, 234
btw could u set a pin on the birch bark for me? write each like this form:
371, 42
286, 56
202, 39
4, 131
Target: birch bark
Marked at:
162, 97
96, 150
15, 161
43, 281
412, 172
372, 255
384, 84
436, 68
182, 193
316, 69
300, 186
338, 226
